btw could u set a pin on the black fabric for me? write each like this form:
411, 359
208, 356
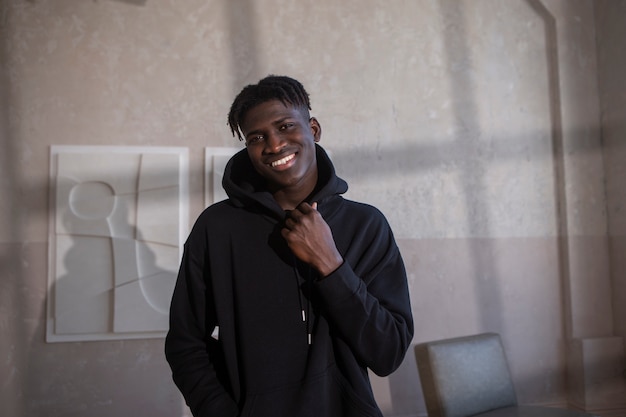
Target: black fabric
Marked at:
237, 273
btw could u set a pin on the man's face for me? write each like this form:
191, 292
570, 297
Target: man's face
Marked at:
281, 145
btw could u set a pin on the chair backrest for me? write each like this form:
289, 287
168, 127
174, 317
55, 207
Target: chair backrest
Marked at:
464, 375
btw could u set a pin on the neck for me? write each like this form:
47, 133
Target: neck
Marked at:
290, 198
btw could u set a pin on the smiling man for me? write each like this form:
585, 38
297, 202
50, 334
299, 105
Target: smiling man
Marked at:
308, 289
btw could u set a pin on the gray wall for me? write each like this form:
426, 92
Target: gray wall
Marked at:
612, 58
479, 128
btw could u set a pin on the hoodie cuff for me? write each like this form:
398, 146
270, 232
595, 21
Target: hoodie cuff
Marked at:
340, 285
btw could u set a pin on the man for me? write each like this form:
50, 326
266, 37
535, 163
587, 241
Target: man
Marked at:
307, 289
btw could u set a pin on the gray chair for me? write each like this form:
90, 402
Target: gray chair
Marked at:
469, 376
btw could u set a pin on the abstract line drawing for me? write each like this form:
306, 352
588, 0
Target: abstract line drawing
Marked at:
118, 219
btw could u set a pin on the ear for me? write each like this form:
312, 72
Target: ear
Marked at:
316, 129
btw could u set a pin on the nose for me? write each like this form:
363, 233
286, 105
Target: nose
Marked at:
274, 143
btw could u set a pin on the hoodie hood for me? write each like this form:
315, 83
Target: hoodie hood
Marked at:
246, 188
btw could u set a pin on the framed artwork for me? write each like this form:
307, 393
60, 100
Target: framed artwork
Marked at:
119, 217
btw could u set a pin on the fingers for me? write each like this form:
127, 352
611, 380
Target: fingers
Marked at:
306, 208
290, 223
296, 215
293, 217
302, 210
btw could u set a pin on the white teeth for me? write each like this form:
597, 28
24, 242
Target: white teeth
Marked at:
282, 161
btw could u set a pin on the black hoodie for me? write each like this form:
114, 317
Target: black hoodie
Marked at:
289, 344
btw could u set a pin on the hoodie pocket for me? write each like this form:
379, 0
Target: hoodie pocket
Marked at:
353, 403
327, 395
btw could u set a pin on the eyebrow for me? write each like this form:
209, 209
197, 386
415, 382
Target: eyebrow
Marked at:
275, 122
279, 121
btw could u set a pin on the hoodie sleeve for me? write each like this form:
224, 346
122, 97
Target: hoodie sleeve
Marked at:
193, 355
367, 299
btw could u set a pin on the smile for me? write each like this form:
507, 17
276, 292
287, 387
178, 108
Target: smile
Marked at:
282, 161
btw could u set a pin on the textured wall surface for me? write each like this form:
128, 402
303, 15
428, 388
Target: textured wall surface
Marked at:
474, 126
611, 16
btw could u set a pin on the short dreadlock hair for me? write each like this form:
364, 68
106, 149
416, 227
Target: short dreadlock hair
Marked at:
273, 87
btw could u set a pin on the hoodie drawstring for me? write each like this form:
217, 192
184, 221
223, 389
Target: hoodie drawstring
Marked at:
305, 309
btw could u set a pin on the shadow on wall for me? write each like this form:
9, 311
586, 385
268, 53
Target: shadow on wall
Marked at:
34, 374
108, 283
455, 45
102, 378
133, 2
244, 60
558, 157
14, 339
466, 115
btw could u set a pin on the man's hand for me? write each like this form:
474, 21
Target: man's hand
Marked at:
311, 240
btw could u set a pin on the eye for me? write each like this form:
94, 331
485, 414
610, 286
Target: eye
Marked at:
286, 126
254, 139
